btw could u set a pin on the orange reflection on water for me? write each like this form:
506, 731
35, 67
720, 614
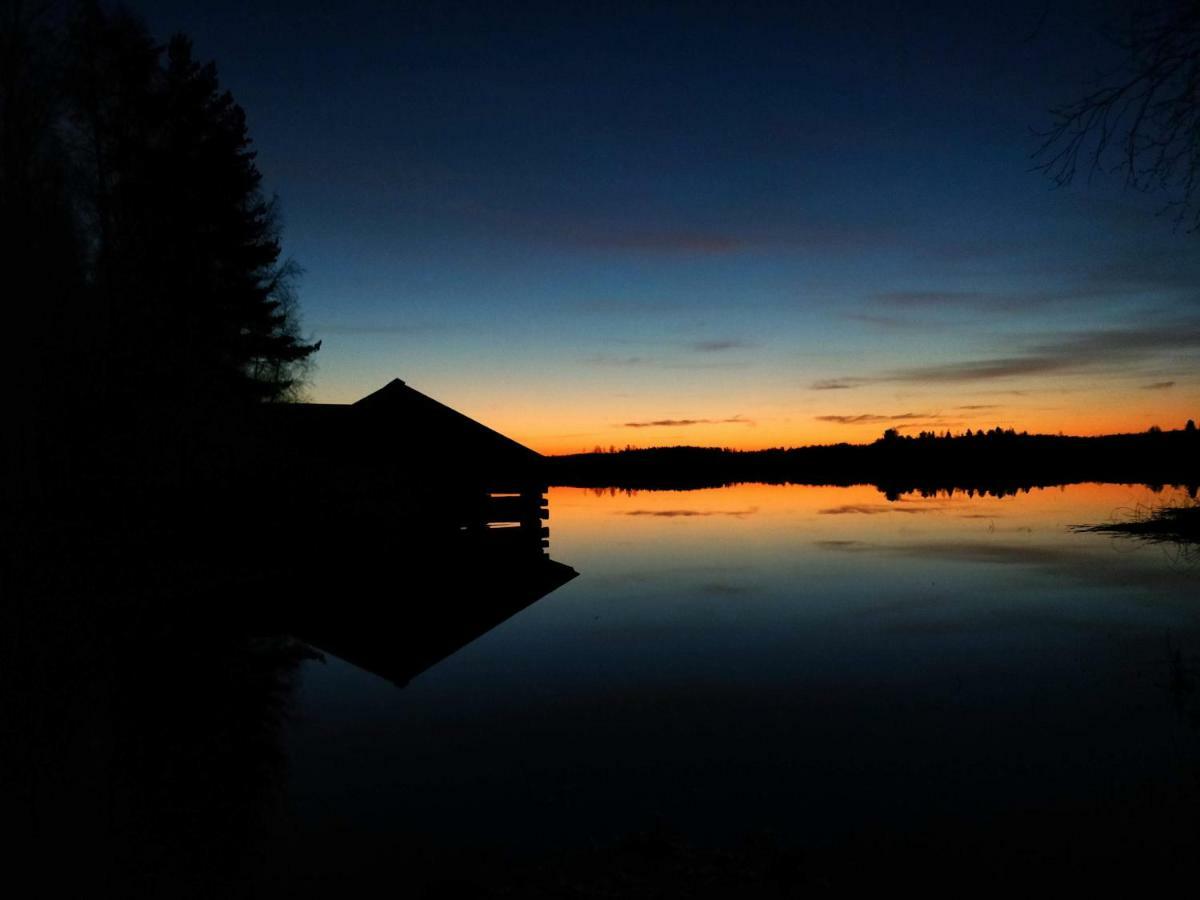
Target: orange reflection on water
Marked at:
767, 514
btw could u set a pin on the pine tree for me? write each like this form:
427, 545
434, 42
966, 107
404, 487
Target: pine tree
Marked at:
224, 235
187, 256
145, 275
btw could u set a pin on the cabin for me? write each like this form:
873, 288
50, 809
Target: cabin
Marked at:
422, 528
397, 458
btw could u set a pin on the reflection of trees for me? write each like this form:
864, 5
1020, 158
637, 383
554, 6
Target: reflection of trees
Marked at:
142, 752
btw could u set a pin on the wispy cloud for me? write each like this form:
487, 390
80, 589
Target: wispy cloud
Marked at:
1158, 386
608, 359
980, 369
719, 346
1079, 352
838, 384
873, 419
1135, 273
672, 423
1076, 353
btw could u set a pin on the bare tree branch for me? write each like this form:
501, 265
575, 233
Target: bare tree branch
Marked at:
1143, 122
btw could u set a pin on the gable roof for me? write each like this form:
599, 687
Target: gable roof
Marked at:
396, 432
398, 407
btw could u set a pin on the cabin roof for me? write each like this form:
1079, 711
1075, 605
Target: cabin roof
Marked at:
400, 407
398, 428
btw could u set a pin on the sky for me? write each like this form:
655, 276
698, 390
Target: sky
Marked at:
734, 224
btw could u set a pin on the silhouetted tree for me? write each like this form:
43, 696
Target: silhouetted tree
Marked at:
43, 294
144, 275
187, 249
1144, 118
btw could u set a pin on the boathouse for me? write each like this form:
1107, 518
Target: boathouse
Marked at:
398, 454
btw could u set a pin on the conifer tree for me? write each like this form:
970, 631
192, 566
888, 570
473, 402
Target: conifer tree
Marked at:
187, 257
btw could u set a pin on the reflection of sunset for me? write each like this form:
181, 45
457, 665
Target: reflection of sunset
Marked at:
788, 513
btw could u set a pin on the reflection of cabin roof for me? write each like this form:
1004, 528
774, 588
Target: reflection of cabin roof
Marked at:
397, 425
400, 641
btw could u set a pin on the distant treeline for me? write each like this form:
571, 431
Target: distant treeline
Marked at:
996, 462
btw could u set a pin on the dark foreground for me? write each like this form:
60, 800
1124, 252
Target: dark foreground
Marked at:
153, 677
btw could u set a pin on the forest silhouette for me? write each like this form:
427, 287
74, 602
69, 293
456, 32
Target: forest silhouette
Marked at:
999, 462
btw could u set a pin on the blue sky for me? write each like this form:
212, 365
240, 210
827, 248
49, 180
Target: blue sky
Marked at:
778, 224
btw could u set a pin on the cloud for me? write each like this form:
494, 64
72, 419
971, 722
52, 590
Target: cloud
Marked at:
1128, 272
872, 419
1077, 352
979, 406
719, 346
606, 359
981, 370
838, 384
1158, 386
672, 423
1069, 354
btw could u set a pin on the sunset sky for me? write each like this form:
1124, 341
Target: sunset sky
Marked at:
738, 224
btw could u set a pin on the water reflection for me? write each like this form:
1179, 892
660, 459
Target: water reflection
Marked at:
829, 675
450, 602
912, 683
142, 749
398, 601
144, 721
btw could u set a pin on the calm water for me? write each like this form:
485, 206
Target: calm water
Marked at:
811, 663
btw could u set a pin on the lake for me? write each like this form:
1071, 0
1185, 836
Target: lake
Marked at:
816, 667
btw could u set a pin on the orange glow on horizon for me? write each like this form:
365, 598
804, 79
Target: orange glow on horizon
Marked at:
1078, 423
559, 418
